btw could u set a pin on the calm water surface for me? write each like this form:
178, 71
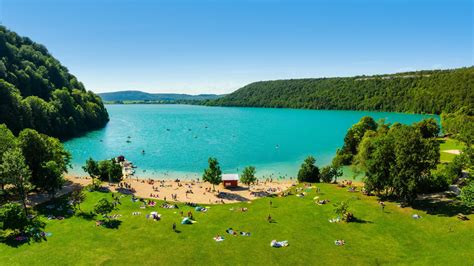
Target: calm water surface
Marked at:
178, 139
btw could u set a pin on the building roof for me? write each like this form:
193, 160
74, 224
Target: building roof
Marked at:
230, 177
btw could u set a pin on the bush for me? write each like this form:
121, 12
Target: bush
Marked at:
467, 195
308, 172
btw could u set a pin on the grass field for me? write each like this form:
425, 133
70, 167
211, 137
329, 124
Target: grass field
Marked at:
389, 237
449, 144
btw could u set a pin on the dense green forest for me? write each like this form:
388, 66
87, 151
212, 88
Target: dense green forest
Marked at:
434, 92
37, 92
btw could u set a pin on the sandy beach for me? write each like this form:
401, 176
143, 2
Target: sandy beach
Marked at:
191, 190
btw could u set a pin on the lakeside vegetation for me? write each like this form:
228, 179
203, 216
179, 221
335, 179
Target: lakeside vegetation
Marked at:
37, 92
428, 91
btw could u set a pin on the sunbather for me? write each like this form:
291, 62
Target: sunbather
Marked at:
279, 244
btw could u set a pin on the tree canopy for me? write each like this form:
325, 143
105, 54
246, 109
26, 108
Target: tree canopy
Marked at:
37, 92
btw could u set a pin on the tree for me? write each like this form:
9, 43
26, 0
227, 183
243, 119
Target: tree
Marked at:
308, 172
342, 209
248, 175
352, 139
92, 168
398, 162
330, 173
7, 142
213, 173
467, 195
110, 170
77, 197
428, 128
53, 179
415, 157
15, 170
39, 149
104, 207
12, 217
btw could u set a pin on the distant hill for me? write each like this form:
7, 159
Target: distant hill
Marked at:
430, 91
134, 96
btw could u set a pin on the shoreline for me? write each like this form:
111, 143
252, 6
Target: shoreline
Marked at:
191, 190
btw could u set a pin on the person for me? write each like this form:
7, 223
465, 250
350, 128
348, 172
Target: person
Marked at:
382, 205
271, 203
269, 218
174, 227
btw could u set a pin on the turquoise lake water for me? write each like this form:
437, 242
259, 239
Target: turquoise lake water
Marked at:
178, 139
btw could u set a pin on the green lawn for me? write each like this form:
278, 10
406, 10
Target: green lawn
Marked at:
377, 238
449, 144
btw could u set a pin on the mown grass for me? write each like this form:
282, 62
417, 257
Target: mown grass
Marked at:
378, 237
449, 144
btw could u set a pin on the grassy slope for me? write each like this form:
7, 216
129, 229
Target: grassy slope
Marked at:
390, 237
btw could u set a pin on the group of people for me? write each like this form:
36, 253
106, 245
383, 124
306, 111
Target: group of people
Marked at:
125, 185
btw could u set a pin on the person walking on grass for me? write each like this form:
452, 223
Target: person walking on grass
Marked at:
174, 227
269, 218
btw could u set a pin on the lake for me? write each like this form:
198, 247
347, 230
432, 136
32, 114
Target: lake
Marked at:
178, 139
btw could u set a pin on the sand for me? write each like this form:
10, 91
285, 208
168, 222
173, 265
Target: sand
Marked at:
457, 152
201, 191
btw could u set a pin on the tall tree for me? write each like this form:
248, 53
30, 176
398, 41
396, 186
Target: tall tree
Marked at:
92, 168
40, 149
248, 175
15, 170
213, 173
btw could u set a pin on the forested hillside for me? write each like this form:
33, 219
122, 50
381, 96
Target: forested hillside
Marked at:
418, 92
122, 96
37, 92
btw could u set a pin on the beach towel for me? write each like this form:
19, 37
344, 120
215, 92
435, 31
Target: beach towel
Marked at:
279, 244
218, 238
200, 209
186, 220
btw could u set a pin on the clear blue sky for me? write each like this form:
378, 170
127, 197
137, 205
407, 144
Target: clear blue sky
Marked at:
218, 46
